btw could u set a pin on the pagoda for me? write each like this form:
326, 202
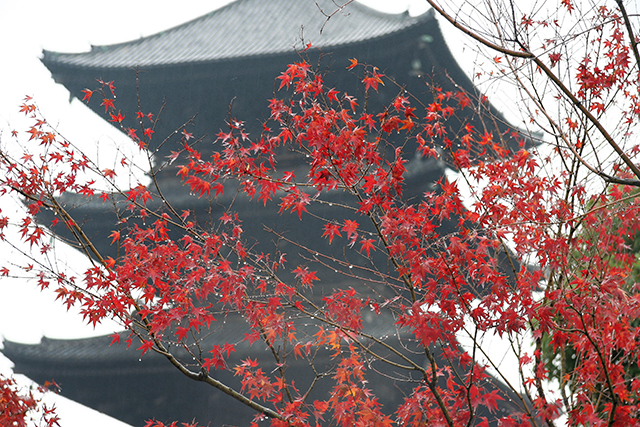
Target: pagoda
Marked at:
219, 66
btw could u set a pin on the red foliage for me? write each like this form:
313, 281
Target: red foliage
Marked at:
175, 280
21, 408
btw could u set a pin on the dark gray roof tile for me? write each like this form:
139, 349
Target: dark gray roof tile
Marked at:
246, 28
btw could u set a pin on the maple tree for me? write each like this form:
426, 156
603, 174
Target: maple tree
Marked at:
541, 255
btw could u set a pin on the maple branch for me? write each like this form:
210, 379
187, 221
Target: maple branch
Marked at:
279, 363
316, 377
525, 54
430, 382
204, 376
501, 374
603, 362
152, 170
576, 103
537, 101
433, 386
329, 16
51, 203
413, 365
87, 246
475, 35
630, 33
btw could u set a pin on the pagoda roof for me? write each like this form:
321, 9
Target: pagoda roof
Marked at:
67, 350
246, 28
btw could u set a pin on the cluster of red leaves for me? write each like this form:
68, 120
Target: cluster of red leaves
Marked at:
587, 253
20, 409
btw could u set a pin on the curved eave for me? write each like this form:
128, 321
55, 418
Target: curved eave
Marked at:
99, 349
53, 350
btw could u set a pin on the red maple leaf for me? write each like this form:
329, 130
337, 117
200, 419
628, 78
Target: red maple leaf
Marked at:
146, 346
87, 95
350, 227
118, 118
372, 82
115, 236
306, 277
330, 231
108, 104
367, 245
